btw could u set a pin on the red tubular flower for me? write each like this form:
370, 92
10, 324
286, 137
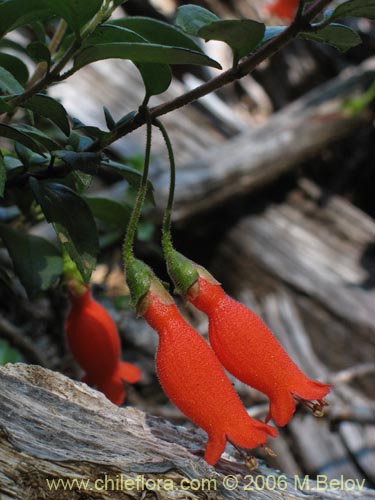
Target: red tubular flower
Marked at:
247, 349
94, 342
283, 9
193, 378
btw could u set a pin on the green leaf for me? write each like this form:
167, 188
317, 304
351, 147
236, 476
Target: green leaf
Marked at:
109, 211
241, 35
49, 108
15, 13
37, 263
19, 136
110, 122
15, 66
355, 8
73, 222
39, 52
8, 354
75, 12
156, 77
3, 176
8, 84
157, 32
339, 36
85, 162
142, 53
191, 18
39, 136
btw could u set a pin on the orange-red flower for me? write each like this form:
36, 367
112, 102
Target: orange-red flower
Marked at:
283, 9
247, 349
193, 378
94, 342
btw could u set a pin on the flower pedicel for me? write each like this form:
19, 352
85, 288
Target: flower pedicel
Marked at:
94, 342
194, 380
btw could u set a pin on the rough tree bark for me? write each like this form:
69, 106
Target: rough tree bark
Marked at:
52, 427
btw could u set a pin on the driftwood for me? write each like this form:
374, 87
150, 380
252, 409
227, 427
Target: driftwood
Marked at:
54, 428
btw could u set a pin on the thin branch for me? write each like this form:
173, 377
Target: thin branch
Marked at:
247, 65
16, 337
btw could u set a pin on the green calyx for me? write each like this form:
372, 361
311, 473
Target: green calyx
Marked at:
182, 271
138, 278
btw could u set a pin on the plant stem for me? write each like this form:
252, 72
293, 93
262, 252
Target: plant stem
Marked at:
246, 65
167, 237
127, 250
55, 42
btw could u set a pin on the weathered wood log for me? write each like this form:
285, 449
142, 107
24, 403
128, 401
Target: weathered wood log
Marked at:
315, 249
258, 156
52, 428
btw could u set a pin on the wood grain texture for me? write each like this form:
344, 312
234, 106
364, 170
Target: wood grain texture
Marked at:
52, 427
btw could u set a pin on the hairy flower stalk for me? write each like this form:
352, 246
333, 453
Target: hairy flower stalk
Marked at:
247, 348
94, 342
195, 381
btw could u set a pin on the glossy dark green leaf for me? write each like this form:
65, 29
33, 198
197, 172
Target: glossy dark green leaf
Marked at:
8, 354
36, 262
109, 33
95, 132
191, 18
156, 77
111, 212
15, 66
355, 8
75, 12
157, 32
39, 52
73, 222
15, 13
19, 136
126, 118
3, 176
339, 36
8, 84
85, 162
110, 122
51, 109
142, 53
39, 136
241, 35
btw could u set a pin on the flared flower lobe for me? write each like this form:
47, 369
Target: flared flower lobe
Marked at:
194, 380
248, 349
94, 342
